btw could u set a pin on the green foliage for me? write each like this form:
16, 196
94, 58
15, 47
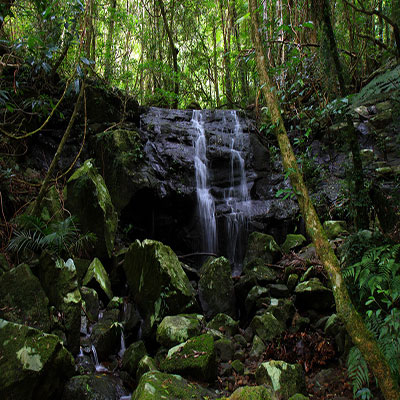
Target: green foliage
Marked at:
57, 237
376, 281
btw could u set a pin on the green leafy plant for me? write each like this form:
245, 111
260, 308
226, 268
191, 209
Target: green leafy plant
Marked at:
56, 237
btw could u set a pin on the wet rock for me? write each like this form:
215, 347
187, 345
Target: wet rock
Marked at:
155, 385
157, 281
292, 242
216, 290
177, 329
224, 323
266, 326
94, 387
97, 277
33, 365
59, 281
285, 379
195, 358
87, 197
23, 299
133, 355
314, 295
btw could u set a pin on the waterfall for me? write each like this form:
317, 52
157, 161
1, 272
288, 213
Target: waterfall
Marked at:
99, 367
205, 200
236, 198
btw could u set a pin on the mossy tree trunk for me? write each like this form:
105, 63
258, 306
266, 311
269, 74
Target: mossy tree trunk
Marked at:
355, 325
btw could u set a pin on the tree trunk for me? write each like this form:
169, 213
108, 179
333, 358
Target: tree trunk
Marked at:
354, 324
215, 67
174, 52
110, 39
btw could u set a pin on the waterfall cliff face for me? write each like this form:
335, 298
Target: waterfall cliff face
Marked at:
204, 182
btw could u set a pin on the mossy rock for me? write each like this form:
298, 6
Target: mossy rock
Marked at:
97, 277
298, 396
59, 281
33, 365
157, 281
252, 393
261, 248
195, 358
216, 291
334, 229
177, 329
266, 326
224, 323
4, 265
87, 197
224, 349
94, 387
257, 348
91, 302
133, 354
285, 379
155, 385
252, 298
23, 299
282, 309
292, 242
313, 294
146, 364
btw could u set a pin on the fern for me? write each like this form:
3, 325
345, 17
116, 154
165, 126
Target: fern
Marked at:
358, 373
56, 237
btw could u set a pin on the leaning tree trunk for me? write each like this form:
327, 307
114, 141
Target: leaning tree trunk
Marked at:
354, 324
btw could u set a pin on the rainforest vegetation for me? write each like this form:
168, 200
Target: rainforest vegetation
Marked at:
320, 82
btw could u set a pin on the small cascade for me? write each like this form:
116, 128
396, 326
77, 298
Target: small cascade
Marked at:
123, 347
99, 367
236, 198
205, 200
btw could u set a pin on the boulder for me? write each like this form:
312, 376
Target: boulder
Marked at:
23, 299
195, 358
87, 197
333, 229
96, 277
91, 302
94, 387
157, 281
146, 364
261, 249
106, 335
282, 309
266, 326
59, 280
224, 349
257, 348
313, 294
177, 329
132, 356
253, 393
285, 379
155, 385
292, 242
33, 365
224, 323
253, 297
216, 291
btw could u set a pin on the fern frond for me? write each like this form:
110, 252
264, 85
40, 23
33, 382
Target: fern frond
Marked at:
357, 370
25, 240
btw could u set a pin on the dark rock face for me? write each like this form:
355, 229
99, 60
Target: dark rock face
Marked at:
156, 195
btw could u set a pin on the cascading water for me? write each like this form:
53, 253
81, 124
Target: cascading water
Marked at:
205, 200
234, 200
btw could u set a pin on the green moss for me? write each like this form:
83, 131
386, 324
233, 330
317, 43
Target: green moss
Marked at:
266, 326
252, 393
292, 241
97, 272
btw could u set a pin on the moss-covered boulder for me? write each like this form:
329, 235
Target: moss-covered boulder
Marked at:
177, 329
106, 335
157, 281
146, 364
97, 278
266, 326
87, 197
23, 299
261, 249
252, 299
285, 379
216, 291
133, 354
33, 365
224, 323
59, 281
94, 387
313, 294
90, 302
194, 358
252, 393
334, 229
257, 348
292, 242
224, 349
155, 385
282, 309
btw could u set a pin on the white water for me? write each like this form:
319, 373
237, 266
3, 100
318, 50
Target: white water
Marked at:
99, 367
123, 347
205, 200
